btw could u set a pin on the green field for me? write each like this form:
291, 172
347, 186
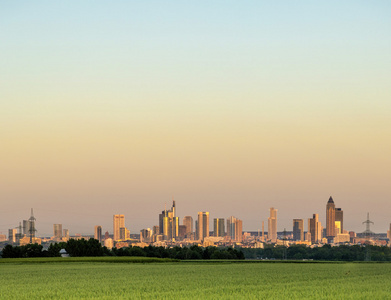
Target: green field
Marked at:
111, 278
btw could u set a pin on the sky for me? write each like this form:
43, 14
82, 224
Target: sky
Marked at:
230, 107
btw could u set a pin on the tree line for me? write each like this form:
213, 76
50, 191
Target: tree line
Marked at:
92, 247
326, 252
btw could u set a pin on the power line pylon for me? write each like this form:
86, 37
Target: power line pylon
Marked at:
368, 234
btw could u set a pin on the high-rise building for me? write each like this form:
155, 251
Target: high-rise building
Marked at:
315, 229
98, 233
12, 235
272, 225
389, 233
339, 220
182, 231
169, 223
146, 235
26, 227
188, 222
330, 219
124, 234
298, 229
118, 222
65, 233
218, 227
234, 229
203, 225
57, 231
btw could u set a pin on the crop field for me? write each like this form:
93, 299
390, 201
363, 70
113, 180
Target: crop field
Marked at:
111, 278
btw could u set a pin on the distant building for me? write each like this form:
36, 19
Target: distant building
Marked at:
298, 229
169, 223
57, 232
109, 243
203, 225
234, 229
182, 231
330, 219
65, 233
188, 222
218, 227
118, 222
3, 237
98, 233
315, 229
389, 233
107, 235
272, 225
339, 220
146, 235
12, 235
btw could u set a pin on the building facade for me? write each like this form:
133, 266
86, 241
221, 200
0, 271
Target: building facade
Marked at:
298, 229
272, 225
203, 225
330, 219
98, 233
218, 227
118, 222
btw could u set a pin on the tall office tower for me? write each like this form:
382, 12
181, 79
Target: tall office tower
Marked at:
330, 220
146, 235
188, 222
234, 229
57, 231
315, 229
25, 227
155, 230
118, 222
12, 235
339, 220
389, 233
203, 225
272, 225
218, 227
182, 231
298, 229
65, 233
169, 223
196, 229
98, 233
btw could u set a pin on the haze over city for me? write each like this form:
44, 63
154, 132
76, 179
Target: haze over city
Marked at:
232, 109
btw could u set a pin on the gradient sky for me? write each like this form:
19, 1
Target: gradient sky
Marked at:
230, 107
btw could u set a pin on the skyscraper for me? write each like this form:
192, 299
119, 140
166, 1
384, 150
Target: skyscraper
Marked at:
234, 229
218, 227
188, 222
339, 220
203, 225
298, 229
272, 225
12, 235
169, 223
315, 229
330, 219
118, 222
389, 233
98, 233
57, 231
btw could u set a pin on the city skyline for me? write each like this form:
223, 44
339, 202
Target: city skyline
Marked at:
169, 225
232, 108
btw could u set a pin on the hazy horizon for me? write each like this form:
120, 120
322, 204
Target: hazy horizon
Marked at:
228, 107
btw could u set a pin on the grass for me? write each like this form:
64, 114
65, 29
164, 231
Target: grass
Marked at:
121, 278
